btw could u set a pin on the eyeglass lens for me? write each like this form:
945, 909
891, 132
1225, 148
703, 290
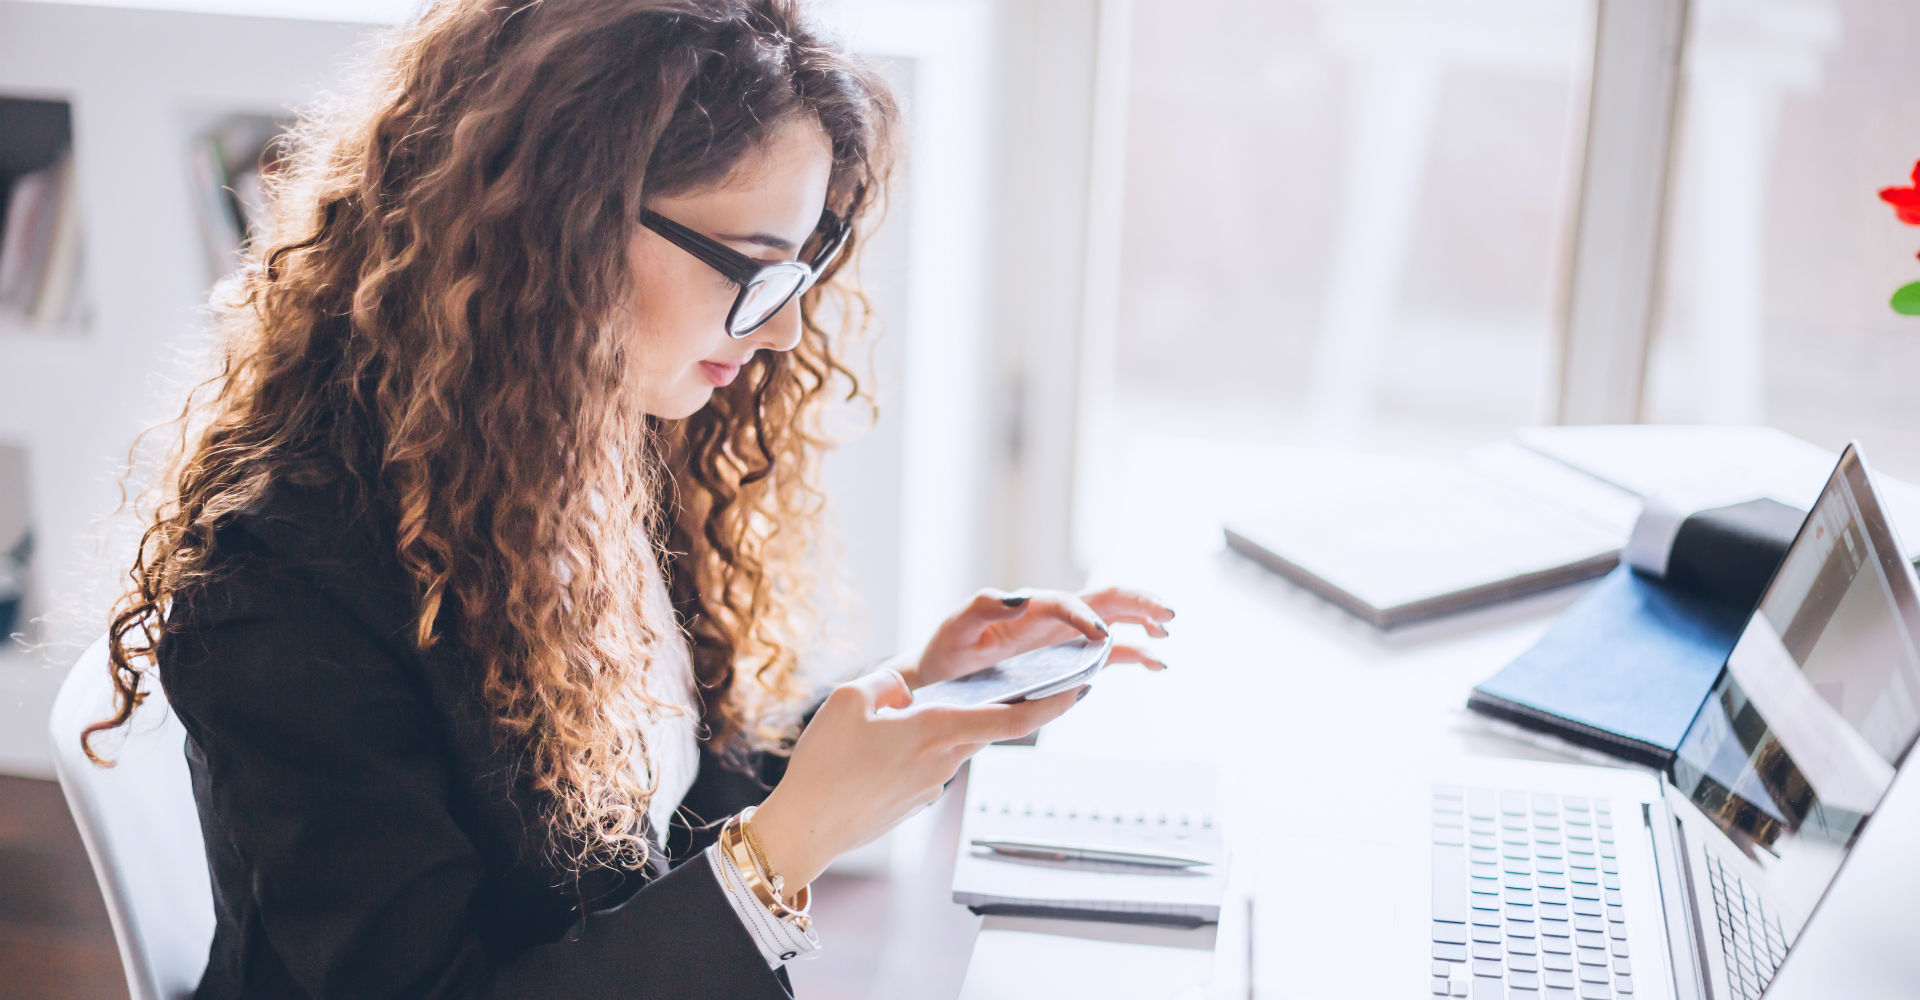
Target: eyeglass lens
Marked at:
765, 297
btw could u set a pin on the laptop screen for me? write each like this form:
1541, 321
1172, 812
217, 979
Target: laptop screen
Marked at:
1818, 702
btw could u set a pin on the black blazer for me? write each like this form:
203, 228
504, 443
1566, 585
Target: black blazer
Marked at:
363, 832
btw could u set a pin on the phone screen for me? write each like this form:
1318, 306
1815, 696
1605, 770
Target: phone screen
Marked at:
1044, 671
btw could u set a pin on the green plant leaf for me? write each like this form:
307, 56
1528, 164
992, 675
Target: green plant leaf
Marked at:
1906, 299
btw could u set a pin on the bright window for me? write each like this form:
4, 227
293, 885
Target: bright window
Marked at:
1345, 221
1780, 258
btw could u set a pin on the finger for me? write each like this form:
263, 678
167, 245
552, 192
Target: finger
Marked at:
928, 799
993, 723
992, 605
988, 608
1032, 632
1134, 654
962, 751
1129, 597
1156, 629
881, 689
1129, 604
1028, 716
1058, 605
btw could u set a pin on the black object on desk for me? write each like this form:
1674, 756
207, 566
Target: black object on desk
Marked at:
1624, 670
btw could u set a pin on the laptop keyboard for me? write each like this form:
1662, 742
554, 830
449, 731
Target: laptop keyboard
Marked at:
1750, 933
1526, 897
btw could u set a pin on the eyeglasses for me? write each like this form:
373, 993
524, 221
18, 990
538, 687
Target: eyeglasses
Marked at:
764, 288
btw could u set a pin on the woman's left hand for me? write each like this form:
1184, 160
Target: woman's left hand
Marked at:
997, 624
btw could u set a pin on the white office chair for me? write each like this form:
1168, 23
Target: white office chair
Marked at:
141, 829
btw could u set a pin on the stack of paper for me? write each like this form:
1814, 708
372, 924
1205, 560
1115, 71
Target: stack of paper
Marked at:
1032, 957
1501, 523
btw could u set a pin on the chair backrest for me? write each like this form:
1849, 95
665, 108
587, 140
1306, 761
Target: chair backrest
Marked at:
141, 829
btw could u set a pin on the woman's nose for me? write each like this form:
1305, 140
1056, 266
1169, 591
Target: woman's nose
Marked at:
782, 331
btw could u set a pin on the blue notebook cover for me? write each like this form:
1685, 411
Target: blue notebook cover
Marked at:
1622, 671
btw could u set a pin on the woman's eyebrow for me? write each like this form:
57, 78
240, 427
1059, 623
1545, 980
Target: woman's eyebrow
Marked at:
767, 240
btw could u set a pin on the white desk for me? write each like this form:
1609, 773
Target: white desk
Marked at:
1312, 718
1297, 703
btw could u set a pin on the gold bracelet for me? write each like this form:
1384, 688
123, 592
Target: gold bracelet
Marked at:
801, 903
765, 887
760, 853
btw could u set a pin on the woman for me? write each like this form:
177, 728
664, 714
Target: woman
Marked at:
478, 577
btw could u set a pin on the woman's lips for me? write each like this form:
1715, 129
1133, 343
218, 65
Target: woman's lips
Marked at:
717, 373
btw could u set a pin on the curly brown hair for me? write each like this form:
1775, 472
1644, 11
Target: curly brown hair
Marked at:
432, 320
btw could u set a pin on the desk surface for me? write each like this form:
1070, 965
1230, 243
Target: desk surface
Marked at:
1295, 701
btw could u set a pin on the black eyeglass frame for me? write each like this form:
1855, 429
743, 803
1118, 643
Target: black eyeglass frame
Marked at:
745, 271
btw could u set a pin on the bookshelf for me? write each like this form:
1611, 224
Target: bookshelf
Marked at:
229, 153
137, 91
41, 288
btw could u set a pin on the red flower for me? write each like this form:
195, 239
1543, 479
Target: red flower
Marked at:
1905, 200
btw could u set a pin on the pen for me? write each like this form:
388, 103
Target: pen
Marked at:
1083, 852
1252, 989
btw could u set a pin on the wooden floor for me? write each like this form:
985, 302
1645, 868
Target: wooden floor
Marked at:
55, 941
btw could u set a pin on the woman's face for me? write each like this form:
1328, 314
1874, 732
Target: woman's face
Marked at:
767, 208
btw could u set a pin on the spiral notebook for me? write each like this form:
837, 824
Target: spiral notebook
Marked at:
1021, 793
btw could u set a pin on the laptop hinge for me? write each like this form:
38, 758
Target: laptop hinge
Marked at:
1681, 917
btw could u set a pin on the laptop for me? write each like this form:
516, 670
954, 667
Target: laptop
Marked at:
1553, 881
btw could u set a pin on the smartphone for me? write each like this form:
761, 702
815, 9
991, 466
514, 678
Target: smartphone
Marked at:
1031, 675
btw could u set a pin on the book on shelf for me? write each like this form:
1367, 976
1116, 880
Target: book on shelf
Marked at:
231, 163
40, 245
16, 540
15, 567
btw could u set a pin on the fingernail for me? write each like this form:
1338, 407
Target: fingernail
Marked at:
1013, 602
1169, 614
1082, 695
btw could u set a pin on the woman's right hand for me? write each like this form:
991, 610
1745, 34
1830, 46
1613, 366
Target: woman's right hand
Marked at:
857, 770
